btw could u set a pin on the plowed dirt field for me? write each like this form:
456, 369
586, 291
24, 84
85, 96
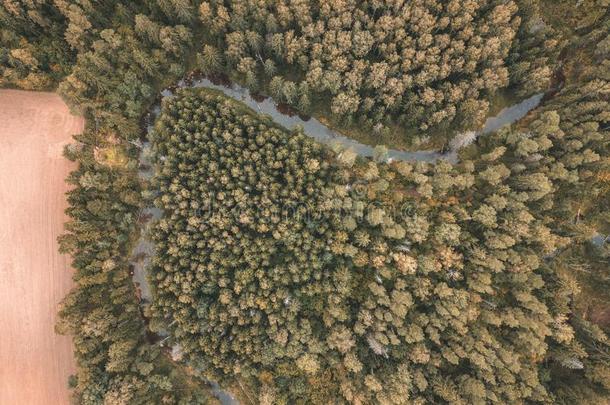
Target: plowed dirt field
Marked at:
34, 362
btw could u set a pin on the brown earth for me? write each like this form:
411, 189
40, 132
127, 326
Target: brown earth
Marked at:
34, 362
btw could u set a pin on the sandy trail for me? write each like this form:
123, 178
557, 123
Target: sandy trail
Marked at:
34, 362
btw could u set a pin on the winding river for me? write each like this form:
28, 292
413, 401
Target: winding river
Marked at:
144, 248
321, 133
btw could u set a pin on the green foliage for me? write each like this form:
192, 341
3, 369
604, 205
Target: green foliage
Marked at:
33, 52
535, 50
241, 193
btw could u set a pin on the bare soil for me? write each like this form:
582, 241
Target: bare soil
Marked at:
34, 362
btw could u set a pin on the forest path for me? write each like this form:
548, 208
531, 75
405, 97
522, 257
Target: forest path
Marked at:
34, 362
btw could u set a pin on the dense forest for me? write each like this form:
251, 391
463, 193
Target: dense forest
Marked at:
292, 272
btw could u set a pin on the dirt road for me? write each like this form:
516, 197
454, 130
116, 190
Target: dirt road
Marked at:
34, 362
